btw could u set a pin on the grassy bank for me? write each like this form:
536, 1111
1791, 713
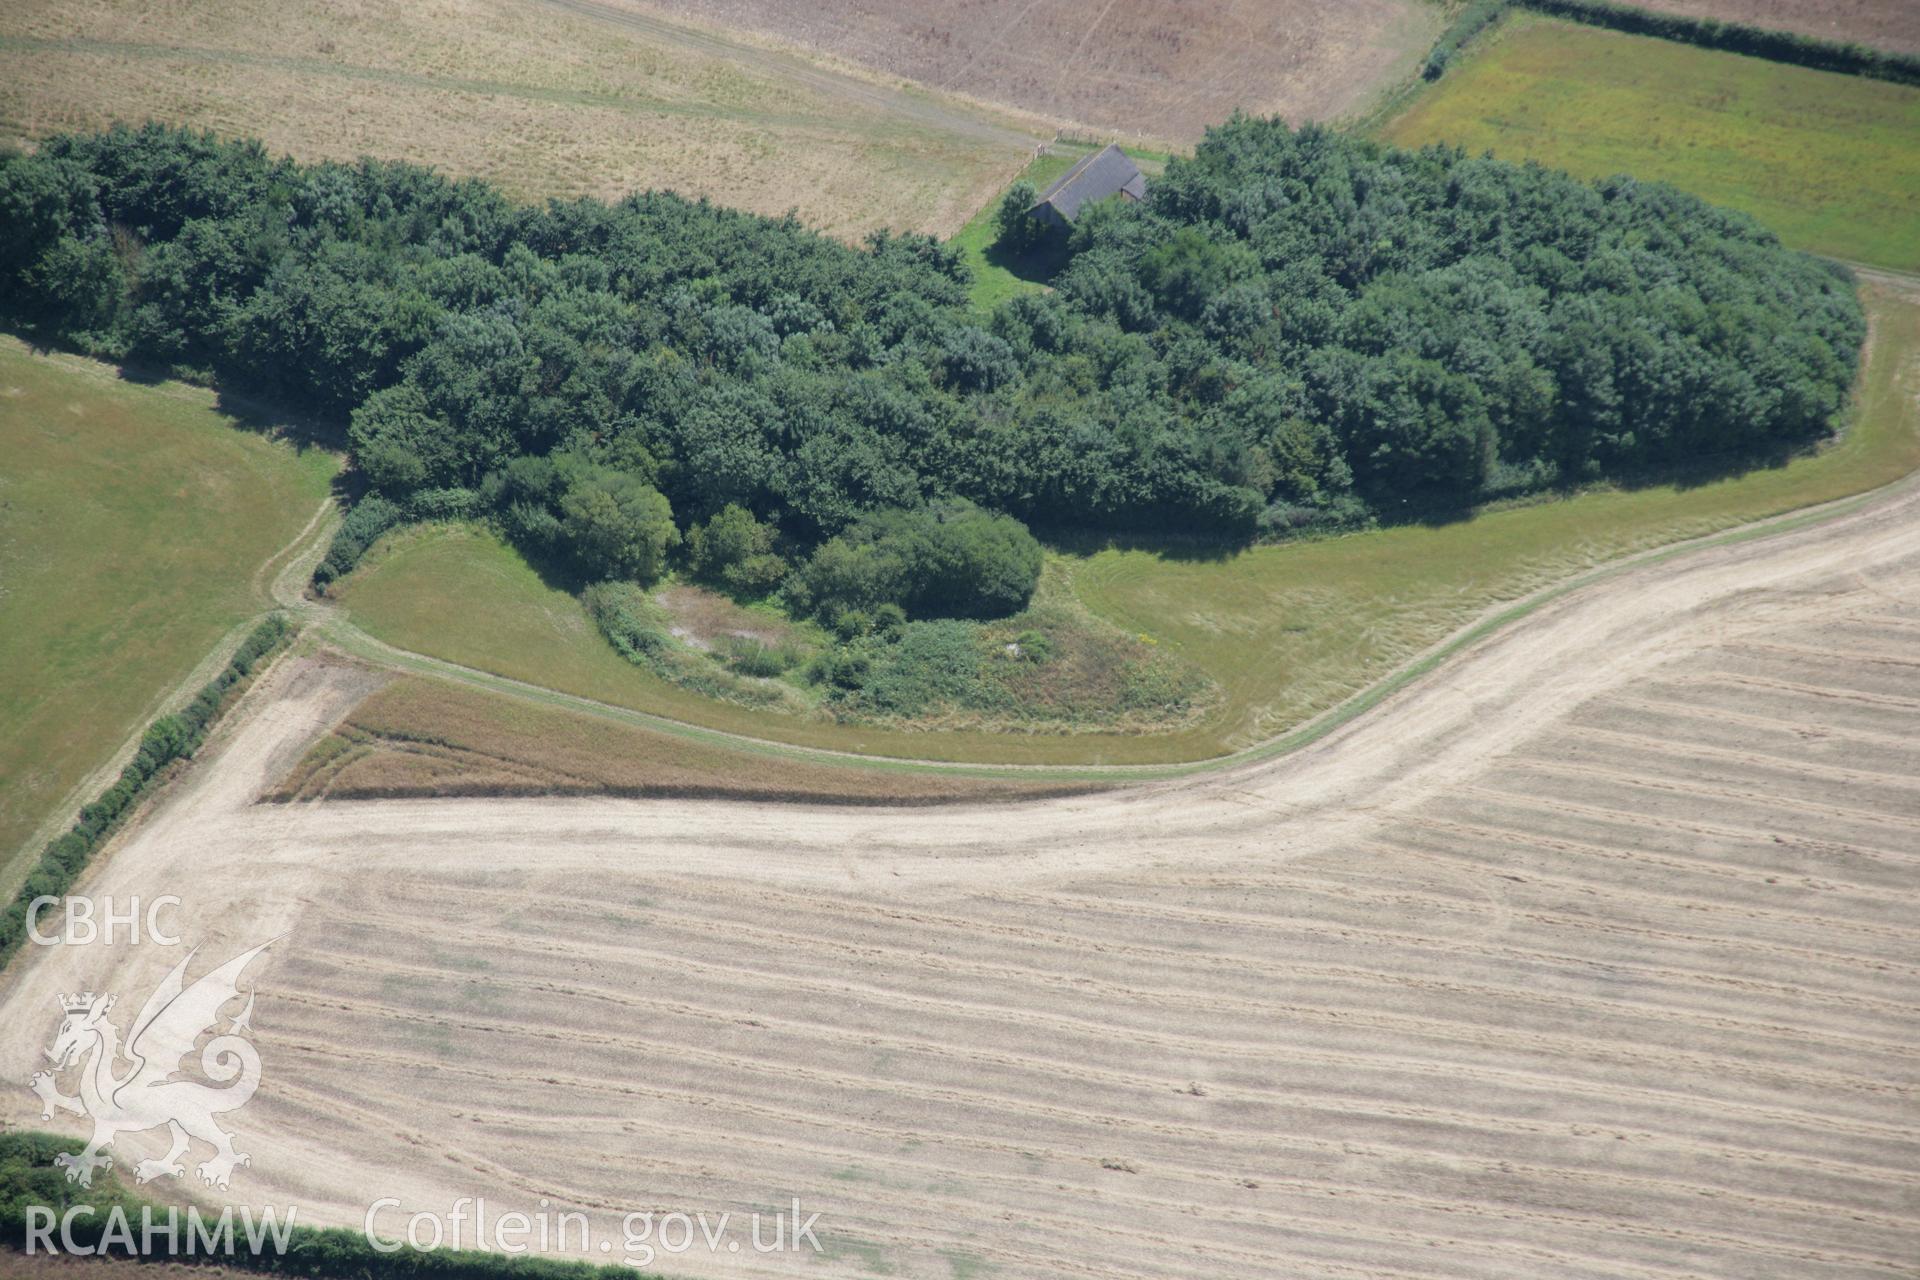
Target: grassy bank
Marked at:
425, 737
1830, 162
416, 580
133, 523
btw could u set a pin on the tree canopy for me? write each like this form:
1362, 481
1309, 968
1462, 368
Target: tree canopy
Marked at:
1295, 328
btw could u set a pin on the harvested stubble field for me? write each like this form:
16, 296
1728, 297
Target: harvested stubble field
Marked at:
543, 99
1163, 70
1591, 955
1887, 24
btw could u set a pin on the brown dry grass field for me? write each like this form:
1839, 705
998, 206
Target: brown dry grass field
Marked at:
541, 98
1591, 954
418, 736
1888, 24
1158, 71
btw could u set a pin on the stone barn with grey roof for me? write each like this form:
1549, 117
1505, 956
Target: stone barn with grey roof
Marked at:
1103, 174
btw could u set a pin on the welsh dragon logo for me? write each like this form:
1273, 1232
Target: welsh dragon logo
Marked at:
145, 1095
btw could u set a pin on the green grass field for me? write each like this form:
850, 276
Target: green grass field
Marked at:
1829, 162
133, 523
1288, 631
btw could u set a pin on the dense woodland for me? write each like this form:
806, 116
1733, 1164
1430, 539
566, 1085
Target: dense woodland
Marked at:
1296, 329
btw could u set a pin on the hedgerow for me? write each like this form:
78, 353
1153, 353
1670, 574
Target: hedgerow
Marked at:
172, 737
1476, 17
365, 522
29, 1179
1739, 37
1770, 43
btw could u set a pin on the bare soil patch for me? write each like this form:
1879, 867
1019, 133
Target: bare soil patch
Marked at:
706, 619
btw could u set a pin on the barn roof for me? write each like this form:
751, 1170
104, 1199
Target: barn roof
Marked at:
1105, 173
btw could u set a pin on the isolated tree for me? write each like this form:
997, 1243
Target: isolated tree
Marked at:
735, 551
617, 525
1016, 230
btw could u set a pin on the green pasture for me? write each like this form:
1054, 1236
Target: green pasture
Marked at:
1830, 162
134, 525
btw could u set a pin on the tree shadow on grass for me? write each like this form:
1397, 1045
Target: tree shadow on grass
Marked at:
1715, 468
1437, 511
248, 410
1038, 265
556, 570
1188, 548
268, 417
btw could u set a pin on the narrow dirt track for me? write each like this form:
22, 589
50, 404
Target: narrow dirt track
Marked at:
1592, 954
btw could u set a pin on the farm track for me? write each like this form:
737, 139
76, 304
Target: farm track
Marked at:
1591, 954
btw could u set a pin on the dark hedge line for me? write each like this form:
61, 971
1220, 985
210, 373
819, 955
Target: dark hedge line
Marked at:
172, 737
365, 522
1709, 33
1471, 21
1738, 37
28, 1179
